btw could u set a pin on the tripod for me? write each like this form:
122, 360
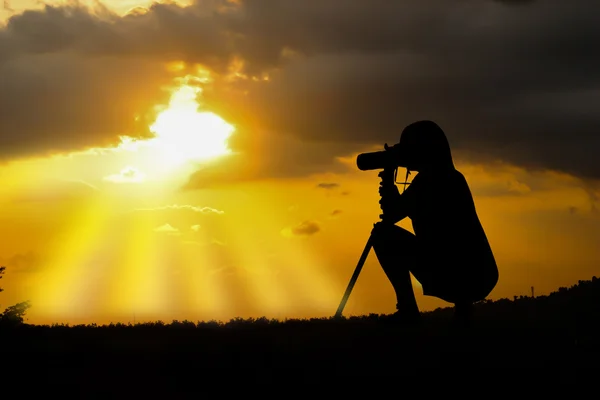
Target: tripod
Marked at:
388, 177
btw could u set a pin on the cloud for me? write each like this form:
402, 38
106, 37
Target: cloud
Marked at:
305, 228
187, 207
501, 85
127, 175
168, 229
6, 6
573, 210
328, 185
515, 2
335, 213
528, 193
519, 84
180, 215
260, 155
55, 103
23, 262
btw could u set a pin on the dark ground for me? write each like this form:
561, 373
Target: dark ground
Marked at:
547, 342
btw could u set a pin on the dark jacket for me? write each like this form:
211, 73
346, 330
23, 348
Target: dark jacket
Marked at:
451, 243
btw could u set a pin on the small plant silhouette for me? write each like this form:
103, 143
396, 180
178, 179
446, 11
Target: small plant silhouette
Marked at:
2, 269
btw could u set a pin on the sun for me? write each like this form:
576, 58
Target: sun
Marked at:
183, 133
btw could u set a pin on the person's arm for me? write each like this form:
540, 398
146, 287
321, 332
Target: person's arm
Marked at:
396, 206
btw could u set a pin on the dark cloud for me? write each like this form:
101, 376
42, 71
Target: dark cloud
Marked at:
22, 262
75, 78
520, 84
306, 228
166, 30
515, 2
268, 155
514, 83
57, 103
573, 210
327, 185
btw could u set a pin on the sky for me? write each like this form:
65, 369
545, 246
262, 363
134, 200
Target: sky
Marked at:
197, 160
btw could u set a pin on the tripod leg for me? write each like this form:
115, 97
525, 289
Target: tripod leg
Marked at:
359, 266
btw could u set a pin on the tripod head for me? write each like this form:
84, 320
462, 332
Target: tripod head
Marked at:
388, 160
388, 181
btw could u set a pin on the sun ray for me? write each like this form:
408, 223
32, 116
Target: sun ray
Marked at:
309, 273
251, 259
203, 289
137, 285
302, 285
64, 284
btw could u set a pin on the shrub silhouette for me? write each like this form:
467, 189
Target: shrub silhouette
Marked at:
557, 336
13, 315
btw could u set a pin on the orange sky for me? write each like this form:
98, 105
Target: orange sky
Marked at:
85, 249
101, 233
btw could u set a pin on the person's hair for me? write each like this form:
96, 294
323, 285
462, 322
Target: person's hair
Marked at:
424, 145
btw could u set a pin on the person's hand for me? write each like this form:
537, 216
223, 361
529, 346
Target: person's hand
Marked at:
390, 196
389, 191
387, 205
378, 227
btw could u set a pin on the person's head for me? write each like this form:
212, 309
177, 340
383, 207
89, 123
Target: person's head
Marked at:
424, 146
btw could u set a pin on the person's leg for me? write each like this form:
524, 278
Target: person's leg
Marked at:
395, 250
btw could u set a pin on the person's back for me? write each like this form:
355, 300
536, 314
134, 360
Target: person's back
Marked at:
451, 242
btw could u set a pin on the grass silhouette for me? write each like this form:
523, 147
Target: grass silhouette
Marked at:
557, 334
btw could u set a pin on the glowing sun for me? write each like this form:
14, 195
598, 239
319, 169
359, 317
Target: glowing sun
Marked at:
185, 134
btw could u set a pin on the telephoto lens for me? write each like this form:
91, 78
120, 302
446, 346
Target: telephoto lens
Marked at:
378, 159
374, 160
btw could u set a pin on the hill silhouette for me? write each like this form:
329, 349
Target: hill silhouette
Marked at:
555, 336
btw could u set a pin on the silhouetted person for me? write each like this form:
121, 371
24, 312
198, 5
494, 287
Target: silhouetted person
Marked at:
449, 253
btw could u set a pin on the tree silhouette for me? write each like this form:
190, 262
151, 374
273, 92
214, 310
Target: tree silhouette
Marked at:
13, 315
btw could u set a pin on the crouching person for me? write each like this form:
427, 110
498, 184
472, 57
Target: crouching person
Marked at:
449, 253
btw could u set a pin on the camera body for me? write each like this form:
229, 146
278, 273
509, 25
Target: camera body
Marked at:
423, 144
388, 161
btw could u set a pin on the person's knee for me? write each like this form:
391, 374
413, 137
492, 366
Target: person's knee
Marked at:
382, 236
388, 232
388, 239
